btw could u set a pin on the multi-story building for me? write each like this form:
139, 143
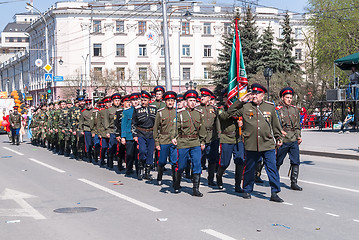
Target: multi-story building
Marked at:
102, 47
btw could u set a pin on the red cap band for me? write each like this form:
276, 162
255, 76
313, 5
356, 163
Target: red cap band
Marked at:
258, 89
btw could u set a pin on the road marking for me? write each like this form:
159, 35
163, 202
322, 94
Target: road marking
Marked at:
26, 209
310, 209
12, 150
287, 203
47, 165
331, 214
217, 234
355, 220
119, 195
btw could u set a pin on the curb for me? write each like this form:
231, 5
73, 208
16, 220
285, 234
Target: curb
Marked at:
329, 154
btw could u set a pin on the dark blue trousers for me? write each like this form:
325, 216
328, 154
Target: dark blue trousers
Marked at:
167, 150
195, 157
131, 154
15, 131
97, 142
293, 149
227, 150
112, 144
104, 148
146, 149
88, 141
211, 151
252, 157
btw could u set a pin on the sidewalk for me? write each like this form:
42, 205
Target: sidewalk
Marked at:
330, 144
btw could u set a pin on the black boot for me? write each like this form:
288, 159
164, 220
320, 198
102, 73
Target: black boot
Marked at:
211, 169
96, 154
13, 139
238, 178
294, 178
275, 198
177, 183
196, 180
160, 174
259, 167
188, 170
219, 176
148, 172
140, 171
119, 164
173, 175
17, 139
89, 156
110, 161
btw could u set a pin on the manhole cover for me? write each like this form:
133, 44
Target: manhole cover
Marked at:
75, 210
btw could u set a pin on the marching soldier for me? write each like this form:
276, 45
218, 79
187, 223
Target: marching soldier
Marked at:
262, 134
158, 103
85, 128
142, 124
42, 122
55, 125
101, 129
15, 119
77, 139
213, 128
190, 138
164, 125
64, 127
290, 120
49, 125
94, 129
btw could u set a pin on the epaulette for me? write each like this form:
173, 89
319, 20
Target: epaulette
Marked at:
181, 110
83, 110
160, 109
137, 107
126, 108
152, 106
198, 110
269, 102
120, 109
278, 107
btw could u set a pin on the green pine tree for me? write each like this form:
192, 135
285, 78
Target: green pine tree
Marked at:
286, 46
269, 54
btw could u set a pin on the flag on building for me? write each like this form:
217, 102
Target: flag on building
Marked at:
237, 76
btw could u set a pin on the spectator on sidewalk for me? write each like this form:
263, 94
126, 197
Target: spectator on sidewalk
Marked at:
349, 119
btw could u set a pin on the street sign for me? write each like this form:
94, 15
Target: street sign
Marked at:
48, 76
48, 68
38, 62
28, 98
58, 78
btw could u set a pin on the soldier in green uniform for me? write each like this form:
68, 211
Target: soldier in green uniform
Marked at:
190, 138
290, 120
102, 131
77, 139
15, 119
42, 123
33, 127
55, 121
49, 125
164, 125
262, 134
94, 130
213, 129
85, 128
64, 127
158, 103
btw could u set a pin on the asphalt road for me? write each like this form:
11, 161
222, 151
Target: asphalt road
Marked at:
34, 182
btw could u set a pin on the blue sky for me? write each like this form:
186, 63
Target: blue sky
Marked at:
8, 9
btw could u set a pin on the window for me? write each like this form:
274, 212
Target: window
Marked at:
227, 28
163, 73
120, 73
120, 50
186, 50
186, 72
141, 27
298, 54
142, 74
120, 26
207, 28
97, 72
142, 50
207, 51
97, 49
162, 50
298, 33
185, 28
206, 73
96, 26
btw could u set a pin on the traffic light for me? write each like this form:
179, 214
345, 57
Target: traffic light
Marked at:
49, 88
84, 92
77, 92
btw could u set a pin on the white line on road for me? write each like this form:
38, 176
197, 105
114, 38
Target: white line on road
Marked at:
12, 150
287, 203
332, 214
355, 220
217, 234
119, 195
310, 209
47, 165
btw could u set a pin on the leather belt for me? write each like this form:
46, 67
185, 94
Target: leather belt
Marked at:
229, 132
144, 129
188, 136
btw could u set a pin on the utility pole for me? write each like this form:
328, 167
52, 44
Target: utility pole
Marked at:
166, 46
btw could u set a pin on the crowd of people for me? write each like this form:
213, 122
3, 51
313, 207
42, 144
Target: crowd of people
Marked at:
191, 131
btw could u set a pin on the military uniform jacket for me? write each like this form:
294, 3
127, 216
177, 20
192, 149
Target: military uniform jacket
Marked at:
85, 120
42, 120
56, 119
164, 125
143, 120
290, 120
94, 121
15, 119
100, 121
211, 122
64, 119
190, 130
118, 121
261, 128
229, 127
158, 104
126, 123
109, 119
75, 113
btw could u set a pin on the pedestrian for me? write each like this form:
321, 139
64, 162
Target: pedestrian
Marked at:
190, 138
15, 119
290, 120
262, 134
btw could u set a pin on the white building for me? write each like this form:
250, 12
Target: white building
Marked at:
103, 46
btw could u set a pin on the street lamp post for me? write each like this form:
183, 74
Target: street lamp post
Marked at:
190, 85
85, 60
166, 46
188, 17
268, 72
